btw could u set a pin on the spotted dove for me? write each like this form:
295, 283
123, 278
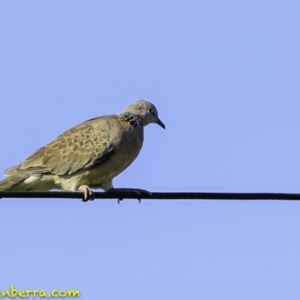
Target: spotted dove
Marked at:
86, 156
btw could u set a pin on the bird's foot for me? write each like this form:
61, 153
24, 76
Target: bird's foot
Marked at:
138, 192
88, 194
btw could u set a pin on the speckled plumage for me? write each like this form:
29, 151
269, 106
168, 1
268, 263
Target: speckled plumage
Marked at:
91, 153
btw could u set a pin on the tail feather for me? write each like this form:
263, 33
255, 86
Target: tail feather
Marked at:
8, 183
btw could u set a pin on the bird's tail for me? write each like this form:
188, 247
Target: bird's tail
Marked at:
5, 185
9, 182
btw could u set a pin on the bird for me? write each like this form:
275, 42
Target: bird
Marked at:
87, 156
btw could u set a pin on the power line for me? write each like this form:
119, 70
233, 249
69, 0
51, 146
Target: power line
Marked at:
156, 196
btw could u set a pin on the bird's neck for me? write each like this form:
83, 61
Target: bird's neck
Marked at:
132, 118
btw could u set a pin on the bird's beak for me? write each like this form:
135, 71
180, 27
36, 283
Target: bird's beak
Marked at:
160, 123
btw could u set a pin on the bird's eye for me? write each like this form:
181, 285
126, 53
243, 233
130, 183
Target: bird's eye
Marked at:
151, 110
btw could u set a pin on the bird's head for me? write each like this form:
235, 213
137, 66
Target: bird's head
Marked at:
146, 111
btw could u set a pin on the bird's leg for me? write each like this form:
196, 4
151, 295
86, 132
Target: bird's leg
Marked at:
88, 194
138, 192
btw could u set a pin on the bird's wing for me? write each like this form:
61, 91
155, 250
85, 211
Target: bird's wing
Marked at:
82, 147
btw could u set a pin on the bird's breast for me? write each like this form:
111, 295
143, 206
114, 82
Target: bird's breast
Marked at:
127, 142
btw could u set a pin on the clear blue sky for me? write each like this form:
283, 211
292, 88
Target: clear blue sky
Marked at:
224, 76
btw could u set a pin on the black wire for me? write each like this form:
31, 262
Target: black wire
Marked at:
156, 196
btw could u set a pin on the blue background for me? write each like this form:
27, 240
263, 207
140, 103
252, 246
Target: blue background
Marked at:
224, 76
